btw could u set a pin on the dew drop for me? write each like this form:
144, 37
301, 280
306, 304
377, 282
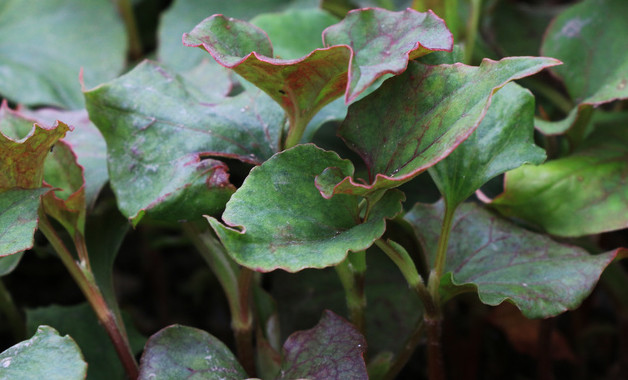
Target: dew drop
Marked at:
524, 285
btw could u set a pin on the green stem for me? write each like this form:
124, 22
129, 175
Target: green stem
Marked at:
125, 8
441, 252
451, 17
351, 273
550, 93
10, 310
236, 284
406, 351
472, 30
295, 131
85, 280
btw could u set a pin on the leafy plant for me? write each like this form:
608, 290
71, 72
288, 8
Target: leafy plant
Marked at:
232, 148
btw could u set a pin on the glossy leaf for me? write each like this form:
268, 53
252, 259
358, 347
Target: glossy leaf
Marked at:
350, 63
41, 53
503, 141
382, 42
18, 219
140, 111
332, 350
283, 222
588, 38
418, 118
44, 356
581, 194
81, 324
180, 352
504, 262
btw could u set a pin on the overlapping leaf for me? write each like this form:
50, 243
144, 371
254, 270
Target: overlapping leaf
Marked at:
418, 118
503, 141
507, 263
589, 37
332, 350
9, 263
366, 45
584, 193
160, 137
285, 223
179, 352
42, 50
24, 148
81, 324
44, 356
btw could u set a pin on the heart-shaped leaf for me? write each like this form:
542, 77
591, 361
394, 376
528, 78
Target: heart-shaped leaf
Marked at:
503, 141
44, 45
160, 137
581, 194
180, 352
44, 356
285, 222
332, 350
589, 38
418, 118
350, 62
81, 324
505, 262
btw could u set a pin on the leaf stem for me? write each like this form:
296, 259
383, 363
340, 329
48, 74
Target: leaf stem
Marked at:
406, 352
472, 30
10, 310
125, 9
296, 129
441, 252
85, 280
351, 273
236, 283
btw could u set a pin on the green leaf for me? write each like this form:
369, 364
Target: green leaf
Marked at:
180, 352
285, 222
418, 118
45, 356
582, 194
86, 142
18, 219
80, 322
503, 141
160, 137
588, 38
333, 349
350, 62
305, 27
505, 262
9, 263
45, 43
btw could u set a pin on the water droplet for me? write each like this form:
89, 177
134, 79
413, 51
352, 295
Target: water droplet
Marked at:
242, 109
524, 285
6, 362
208, 357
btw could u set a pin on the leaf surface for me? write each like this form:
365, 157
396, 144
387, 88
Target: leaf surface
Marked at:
333, 349
418, 118
9, 263
80, 322
581, 194
18, 219
44, 356
180, 352
160, 139
41, 52
505, 262
284, 222
503, 141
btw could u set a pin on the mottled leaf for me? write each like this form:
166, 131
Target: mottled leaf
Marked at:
81, 324
382, 42
87, 144
18, 218
45, 43
589, 37
160, 139
366, 45
44, 356
180, 352
283, 222
295, 32
332, 350
503, 141
505, 262
418, 118
581, 194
